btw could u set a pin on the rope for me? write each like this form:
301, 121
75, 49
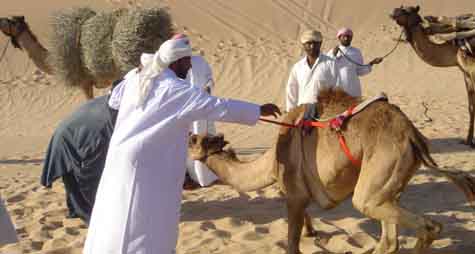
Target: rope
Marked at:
386, 55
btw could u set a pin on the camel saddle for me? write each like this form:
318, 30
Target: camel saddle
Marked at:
459, 30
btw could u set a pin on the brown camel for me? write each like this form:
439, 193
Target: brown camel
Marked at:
314, 168
439, 55
23, 38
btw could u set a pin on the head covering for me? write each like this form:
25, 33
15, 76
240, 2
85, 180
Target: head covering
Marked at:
146, 59
169, 52
179, 36
344, 31
310, 35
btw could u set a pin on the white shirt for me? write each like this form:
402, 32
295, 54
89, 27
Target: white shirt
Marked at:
305, 82
137, 206
200, 74
348, 72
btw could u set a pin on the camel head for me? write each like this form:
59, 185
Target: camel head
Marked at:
407, 17
200, 146
13, 28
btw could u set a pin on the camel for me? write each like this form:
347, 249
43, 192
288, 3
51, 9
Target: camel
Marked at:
439, 55
314, 168
23, 38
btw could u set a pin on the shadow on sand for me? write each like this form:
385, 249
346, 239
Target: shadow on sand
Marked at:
448, 145
22, 162
435, 200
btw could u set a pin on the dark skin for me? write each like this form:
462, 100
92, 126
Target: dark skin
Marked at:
183, 65
345, 40
312, 50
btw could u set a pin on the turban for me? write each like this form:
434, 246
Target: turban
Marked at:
146, 59
310, 35
344, 31
169, 52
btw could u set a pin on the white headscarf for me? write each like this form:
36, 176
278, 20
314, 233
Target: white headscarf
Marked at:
146, 59
170, 51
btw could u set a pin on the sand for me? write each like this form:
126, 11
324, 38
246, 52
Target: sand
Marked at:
251, 46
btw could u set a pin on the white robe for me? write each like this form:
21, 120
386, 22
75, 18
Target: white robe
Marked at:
137, 206
348, 72
305, 82
7, 230
201, 76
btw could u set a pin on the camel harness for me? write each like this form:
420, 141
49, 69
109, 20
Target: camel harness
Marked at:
335, 123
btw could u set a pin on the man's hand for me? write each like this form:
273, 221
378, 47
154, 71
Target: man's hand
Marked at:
377, 60
270, 109
335, 51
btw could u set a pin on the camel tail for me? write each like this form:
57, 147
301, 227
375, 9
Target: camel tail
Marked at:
464, 181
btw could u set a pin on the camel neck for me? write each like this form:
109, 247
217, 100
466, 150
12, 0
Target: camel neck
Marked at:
440, 55
37, 53
244, 176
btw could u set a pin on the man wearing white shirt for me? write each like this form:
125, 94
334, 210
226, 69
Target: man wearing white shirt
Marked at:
312, 73
349, 63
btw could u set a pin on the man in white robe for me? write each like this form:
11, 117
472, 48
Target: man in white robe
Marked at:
137, 207
200, 76
349, 63
312, 73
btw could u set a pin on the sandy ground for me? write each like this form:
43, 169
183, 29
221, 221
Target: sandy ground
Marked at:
251, 46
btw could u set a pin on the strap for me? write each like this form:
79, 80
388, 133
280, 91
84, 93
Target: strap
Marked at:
347, 152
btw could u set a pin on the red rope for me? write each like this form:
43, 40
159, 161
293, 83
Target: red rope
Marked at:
318, 124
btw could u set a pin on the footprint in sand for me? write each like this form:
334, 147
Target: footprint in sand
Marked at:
206, 225
262, 230
16, 198
222, 234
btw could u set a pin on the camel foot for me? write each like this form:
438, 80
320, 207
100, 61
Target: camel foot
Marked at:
384, 248
425, 239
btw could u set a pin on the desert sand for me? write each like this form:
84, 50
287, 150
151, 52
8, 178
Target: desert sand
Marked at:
251, 46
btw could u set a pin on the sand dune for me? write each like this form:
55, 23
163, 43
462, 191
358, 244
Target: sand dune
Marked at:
251, 46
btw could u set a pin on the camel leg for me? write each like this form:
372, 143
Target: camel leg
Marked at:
469, 84
388, 242
309, 230
380, 182
296, 214
390, 214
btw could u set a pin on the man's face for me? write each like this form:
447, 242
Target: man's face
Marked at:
345, 40
182, 66
312, 48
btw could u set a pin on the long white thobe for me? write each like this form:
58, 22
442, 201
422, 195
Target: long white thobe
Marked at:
137, 206
348, 72
201, 76
7, 230
305, 81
